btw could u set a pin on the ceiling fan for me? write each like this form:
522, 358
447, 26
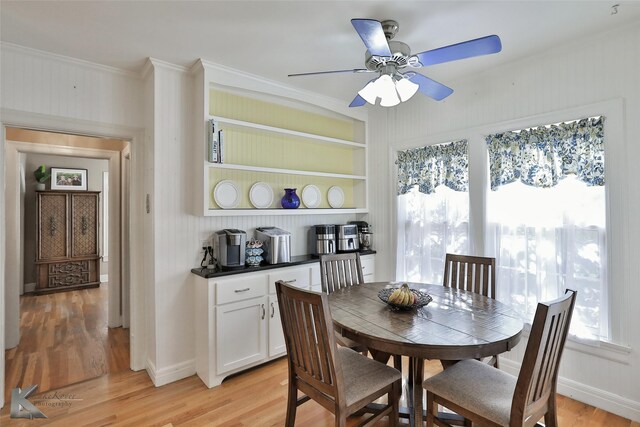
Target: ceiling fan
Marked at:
387, 58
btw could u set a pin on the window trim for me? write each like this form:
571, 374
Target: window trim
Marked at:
620, 267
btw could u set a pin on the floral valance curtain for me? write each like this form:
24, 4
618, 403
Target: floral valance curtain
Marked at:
433, 165
541, 156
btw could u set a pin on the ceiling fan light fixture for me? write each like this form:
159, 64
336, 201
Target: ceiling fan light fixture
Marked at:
369, 93
386, 88
406, 88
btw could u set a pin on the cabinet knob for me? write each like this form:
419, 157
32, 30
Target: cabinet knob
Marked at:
273, 310
264, 312
237, 291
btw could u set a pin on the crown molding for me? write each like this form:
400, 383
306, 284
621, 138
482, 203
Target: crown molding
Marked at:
67, 59
159, 63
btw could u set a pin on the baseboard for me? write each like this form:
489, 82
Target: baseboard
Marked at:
610, 402
29, 287
170, 373
104, 278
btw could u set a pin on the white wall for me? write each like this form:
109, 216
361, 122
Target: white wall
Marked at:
50, 92
176, 232
573, 79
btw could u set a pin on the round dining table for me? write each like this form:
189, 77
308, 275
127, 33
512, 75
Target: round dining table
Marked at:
455, 325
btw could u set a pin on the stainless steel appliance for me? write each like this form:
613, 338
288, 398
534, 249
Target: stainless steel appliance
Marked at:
229, 246
277, 244
347, 238
323, 239
365, 235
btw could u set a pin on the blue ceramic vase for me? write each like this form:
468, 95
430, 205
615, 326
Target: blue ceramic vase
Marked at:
290, 200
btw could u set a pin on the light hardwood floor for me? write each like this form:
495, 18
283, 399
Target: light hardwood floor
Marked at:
255, 398
64, 340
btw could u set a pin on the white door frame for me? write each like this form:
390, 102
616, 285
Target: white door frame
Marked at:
34, 121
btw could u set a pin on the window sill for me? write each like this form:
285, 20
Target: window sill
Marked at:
601, 349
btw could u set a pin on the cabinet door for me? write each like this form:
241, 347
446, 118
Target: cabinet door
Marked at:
277, 345
84, 225
368, 269
52, 226
241, 334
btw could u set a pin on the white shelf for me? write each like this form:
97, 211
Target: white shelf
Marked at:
259, 139
282, 171
279, 212
273, 129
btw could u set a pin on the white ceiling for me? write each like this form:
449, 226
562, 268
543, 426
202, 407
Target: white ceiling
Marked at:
275, 38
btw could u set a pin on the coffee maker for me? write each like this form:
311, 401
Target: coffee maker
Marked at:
322, 239
229, 245
347, 238
365, 235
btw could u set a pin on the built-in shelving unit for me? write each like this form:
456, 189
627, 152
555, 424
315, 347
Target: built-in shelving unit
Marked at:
284, 144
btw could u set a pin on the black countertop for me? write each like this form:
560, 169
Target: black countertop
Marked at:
295, 260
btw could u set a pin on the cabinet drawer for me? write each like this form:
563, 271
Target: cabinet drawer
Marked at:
298, 277
241, 288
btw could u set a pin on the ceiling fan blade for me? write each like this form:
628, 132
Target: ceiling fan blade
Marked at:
358, 101
355, 70
372, 35
430, 87
470, 48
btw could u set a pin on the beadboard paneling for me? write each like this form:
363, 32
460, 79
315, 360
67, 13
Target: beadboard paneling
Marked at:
588, 72
177, 233
57, 86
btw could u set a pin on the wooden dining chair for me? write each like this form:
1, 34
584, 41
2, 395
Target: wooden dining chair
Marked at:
471, 273
336, 272
474, 274
340, 270
338, 378
491, 397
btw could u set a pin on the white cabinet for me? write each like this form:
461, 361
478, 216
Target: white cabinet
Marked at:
237, 317
240, 334
238, 320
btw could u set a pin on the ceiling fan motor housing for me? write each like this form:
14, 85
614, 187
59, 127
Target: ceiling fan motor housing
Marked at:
400, 53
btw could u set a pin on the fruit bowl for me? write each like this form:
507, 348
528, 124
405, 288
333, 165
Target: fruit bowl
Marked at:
421, 298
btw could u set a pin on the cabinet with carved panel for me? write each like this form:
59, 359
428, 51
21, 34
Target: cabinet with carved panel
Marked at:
67, 240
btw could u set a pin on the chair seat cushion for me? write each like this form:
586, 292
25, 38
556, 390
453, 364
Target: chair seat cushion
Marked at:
362, 375
480, 388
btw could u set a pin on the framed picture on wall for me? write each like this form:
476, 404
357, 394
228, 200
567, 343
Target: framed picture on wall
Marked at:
68, 179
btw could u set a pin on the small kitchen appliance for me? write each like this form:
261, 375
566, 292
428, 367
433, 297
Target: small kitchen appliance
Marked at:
322, 239
229, 245
277, 244
347, 238
365, 235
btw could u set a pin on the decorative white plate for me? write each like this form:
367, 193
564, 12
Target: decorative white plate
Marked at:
261, 195
311, 196
226, 194
335, 197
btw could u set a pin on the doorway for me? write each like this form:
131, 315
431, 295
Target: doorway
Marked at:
75, 321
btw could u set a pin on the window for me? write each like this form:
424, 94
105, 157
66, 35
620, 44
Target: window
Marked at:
547, 220
433, 209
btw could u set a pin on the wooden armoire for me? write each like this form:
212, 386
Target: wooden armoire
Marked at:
67, 244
